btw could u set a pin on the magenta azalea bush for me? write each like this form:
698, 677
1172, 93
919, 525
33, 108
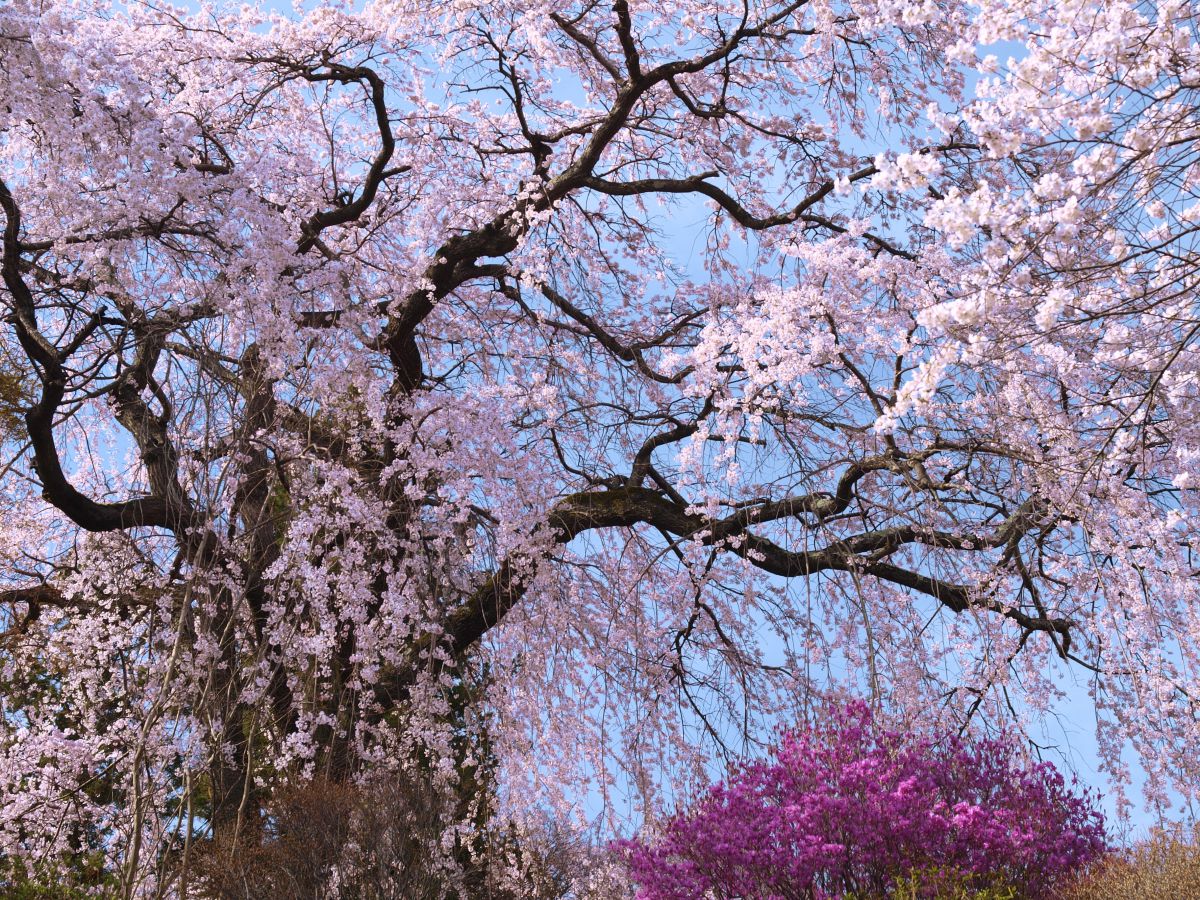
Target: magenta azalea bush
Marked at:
851, 809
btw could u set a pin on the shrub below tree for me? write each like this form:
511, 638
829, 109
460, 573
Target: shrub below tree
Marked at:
1165, 866
847, 808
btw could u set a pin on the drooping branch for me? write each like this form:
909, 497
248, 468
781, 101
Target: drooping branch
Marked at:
48, 361
700, 184
379, 171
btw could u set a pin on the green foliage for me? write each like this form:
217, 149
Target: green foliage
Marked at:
73, 877
15, 397
941, 883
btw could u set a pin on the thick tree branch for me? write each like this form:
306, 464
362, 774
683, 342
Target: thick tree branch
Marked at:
634, 505
152, 511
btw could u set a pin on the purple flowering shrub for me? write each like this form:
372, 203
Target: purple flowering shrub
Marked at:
851, 809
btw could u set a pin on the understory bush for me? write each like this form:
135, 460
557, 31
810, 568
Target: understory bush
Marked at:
1165, 866
849, 809
389, 840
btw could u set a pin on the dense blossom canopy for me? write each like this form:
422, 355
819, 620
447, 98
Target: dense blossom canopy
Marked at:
846, 808
648, 371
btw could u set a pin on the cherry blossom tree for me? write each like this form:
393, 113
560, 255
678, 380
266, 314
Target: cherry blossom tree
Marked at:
354, 358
